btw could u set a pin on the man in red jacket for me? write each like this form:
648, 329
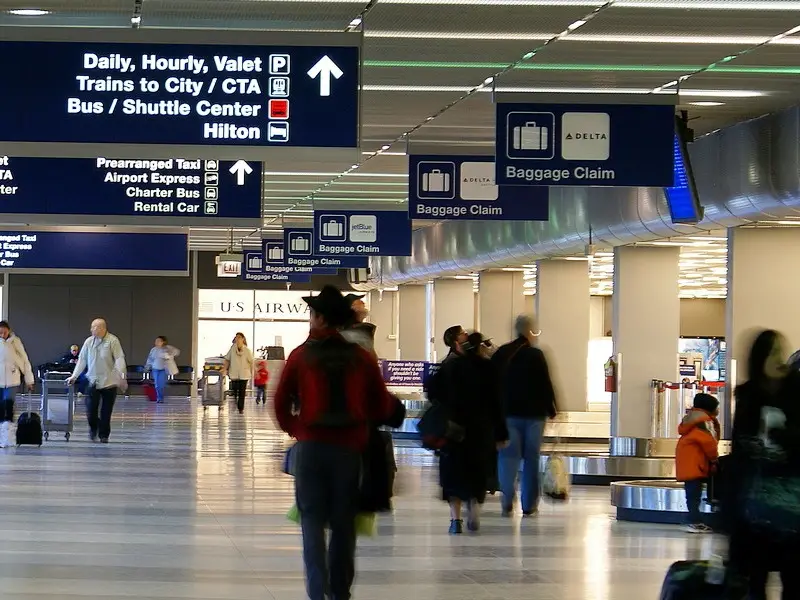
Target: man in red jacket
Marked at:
329, 392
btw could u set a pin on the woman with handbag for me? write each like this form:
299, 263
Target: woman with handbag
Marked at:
161, 363
476, 427
761, 506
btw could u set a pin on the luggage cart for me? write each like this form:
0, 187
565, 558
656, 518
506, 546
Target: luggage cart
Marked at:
213, 388
58, 404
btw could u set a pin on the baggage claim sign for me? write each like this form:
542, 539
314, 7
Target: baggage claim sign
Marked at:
180, 94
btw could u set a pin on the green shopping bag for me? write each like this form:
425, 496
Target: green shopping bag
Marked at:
366, 523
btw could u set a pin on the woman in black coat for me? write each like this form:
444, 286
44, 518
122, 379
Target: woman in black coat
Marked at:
767, 417
469, 393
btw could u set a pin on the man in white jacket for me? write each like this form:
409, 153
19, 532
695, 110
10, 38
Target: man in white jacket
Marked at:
14, 364
102, 355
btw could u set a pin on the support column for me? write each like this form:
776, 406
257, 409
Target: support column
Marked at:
453, 304
762, 294
501, 301
646, 329
412, 333
383, 314
562, 311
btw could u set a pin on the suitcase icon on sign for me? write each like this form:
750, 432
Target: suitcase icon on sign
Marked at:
300, 244
333, 228
530, 135
436, 181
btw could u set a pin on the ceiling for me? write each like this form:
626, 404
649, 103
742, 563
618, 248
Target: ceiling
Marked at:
703, 271
421, 56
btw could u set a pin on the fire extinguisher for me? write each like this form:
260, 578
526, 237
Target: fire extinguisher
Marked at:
611, 375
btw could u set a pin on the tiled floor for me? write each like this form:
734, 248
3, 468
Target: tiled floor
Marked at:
191, 504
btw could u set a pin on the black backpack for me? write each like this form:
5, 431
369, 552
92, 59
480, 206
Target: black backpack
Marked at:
333, 359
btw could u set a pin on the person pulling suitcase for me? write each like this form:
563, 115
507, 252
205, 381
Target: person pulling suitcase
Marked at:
14, 364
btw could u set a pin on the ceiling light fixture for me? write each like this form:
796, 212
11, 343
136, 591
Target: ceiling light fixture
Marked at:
706, 103
29, 12
709, 5
556, 90
594, 38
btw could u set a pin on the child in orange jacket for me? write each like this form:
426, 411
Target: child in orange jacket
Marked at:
260, 380
697, 453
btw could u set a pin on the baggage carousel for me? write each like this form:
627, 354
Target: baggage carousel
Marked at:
654, 502
582, 439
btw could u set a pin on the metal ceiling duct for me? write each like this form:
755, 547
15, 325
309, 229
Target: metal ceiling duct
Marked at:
747, 172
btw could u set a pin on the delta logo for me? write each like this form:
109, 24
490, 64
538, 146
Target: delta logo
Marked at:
586, 136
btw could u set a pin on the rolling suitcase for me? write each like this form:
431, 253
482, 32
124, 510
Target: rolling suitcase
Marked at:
150, 392
700, 580
29, 427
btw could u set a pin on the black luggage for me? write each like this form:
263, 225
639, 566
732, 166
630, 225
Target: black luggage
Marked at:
699, 580
29, 429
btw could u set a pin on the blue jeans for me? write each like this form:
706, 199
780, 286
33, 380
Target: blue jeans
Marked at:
694, 495
160, 383
327, 480
525, 444
7, 403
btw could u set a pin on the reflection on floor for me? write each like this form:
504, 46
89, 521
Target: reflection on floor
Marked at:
190, 504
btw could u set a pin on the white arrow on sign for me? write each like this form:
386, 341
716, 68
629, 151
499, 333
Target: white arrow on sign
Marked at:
240, 169
325, 69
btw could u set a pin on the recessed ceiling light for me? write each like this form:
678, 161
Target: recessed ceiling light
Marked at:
554, 90
706, 103
29, 12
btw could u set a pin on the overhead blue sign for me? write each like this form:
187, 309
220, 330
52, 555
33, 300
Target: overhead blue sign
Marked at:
361, 233
298, 246
585, 144
94, 251
462, 187
174, 187
182, 94
256, 268
684, 205
271, 265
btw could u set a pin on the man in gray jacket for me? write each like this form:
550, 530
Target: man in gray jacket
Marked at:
103, 356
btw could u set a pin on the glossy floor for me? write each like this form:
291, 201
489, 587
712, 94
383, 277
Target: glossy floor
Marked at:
190, 504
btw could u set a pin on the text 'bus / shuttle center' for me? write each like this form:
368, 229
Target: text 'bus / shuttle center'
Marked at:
223, 74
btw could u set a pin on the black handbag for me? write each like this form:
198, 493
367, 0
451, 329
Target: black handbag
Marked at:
437, 429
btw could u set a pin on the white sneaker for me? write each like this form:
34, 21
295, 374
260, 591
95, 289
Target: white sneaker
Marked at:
698, 528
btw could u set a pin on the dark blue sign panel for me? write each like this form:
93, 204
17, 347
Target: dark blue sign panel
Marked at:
94, 251
298, 246
256, 268
137, 188
361, 233
463, 188
684, 206
403, 373
183, 94
585, 144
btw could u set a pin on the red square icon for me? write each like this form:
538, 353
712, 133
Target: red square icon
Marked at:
278, 109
